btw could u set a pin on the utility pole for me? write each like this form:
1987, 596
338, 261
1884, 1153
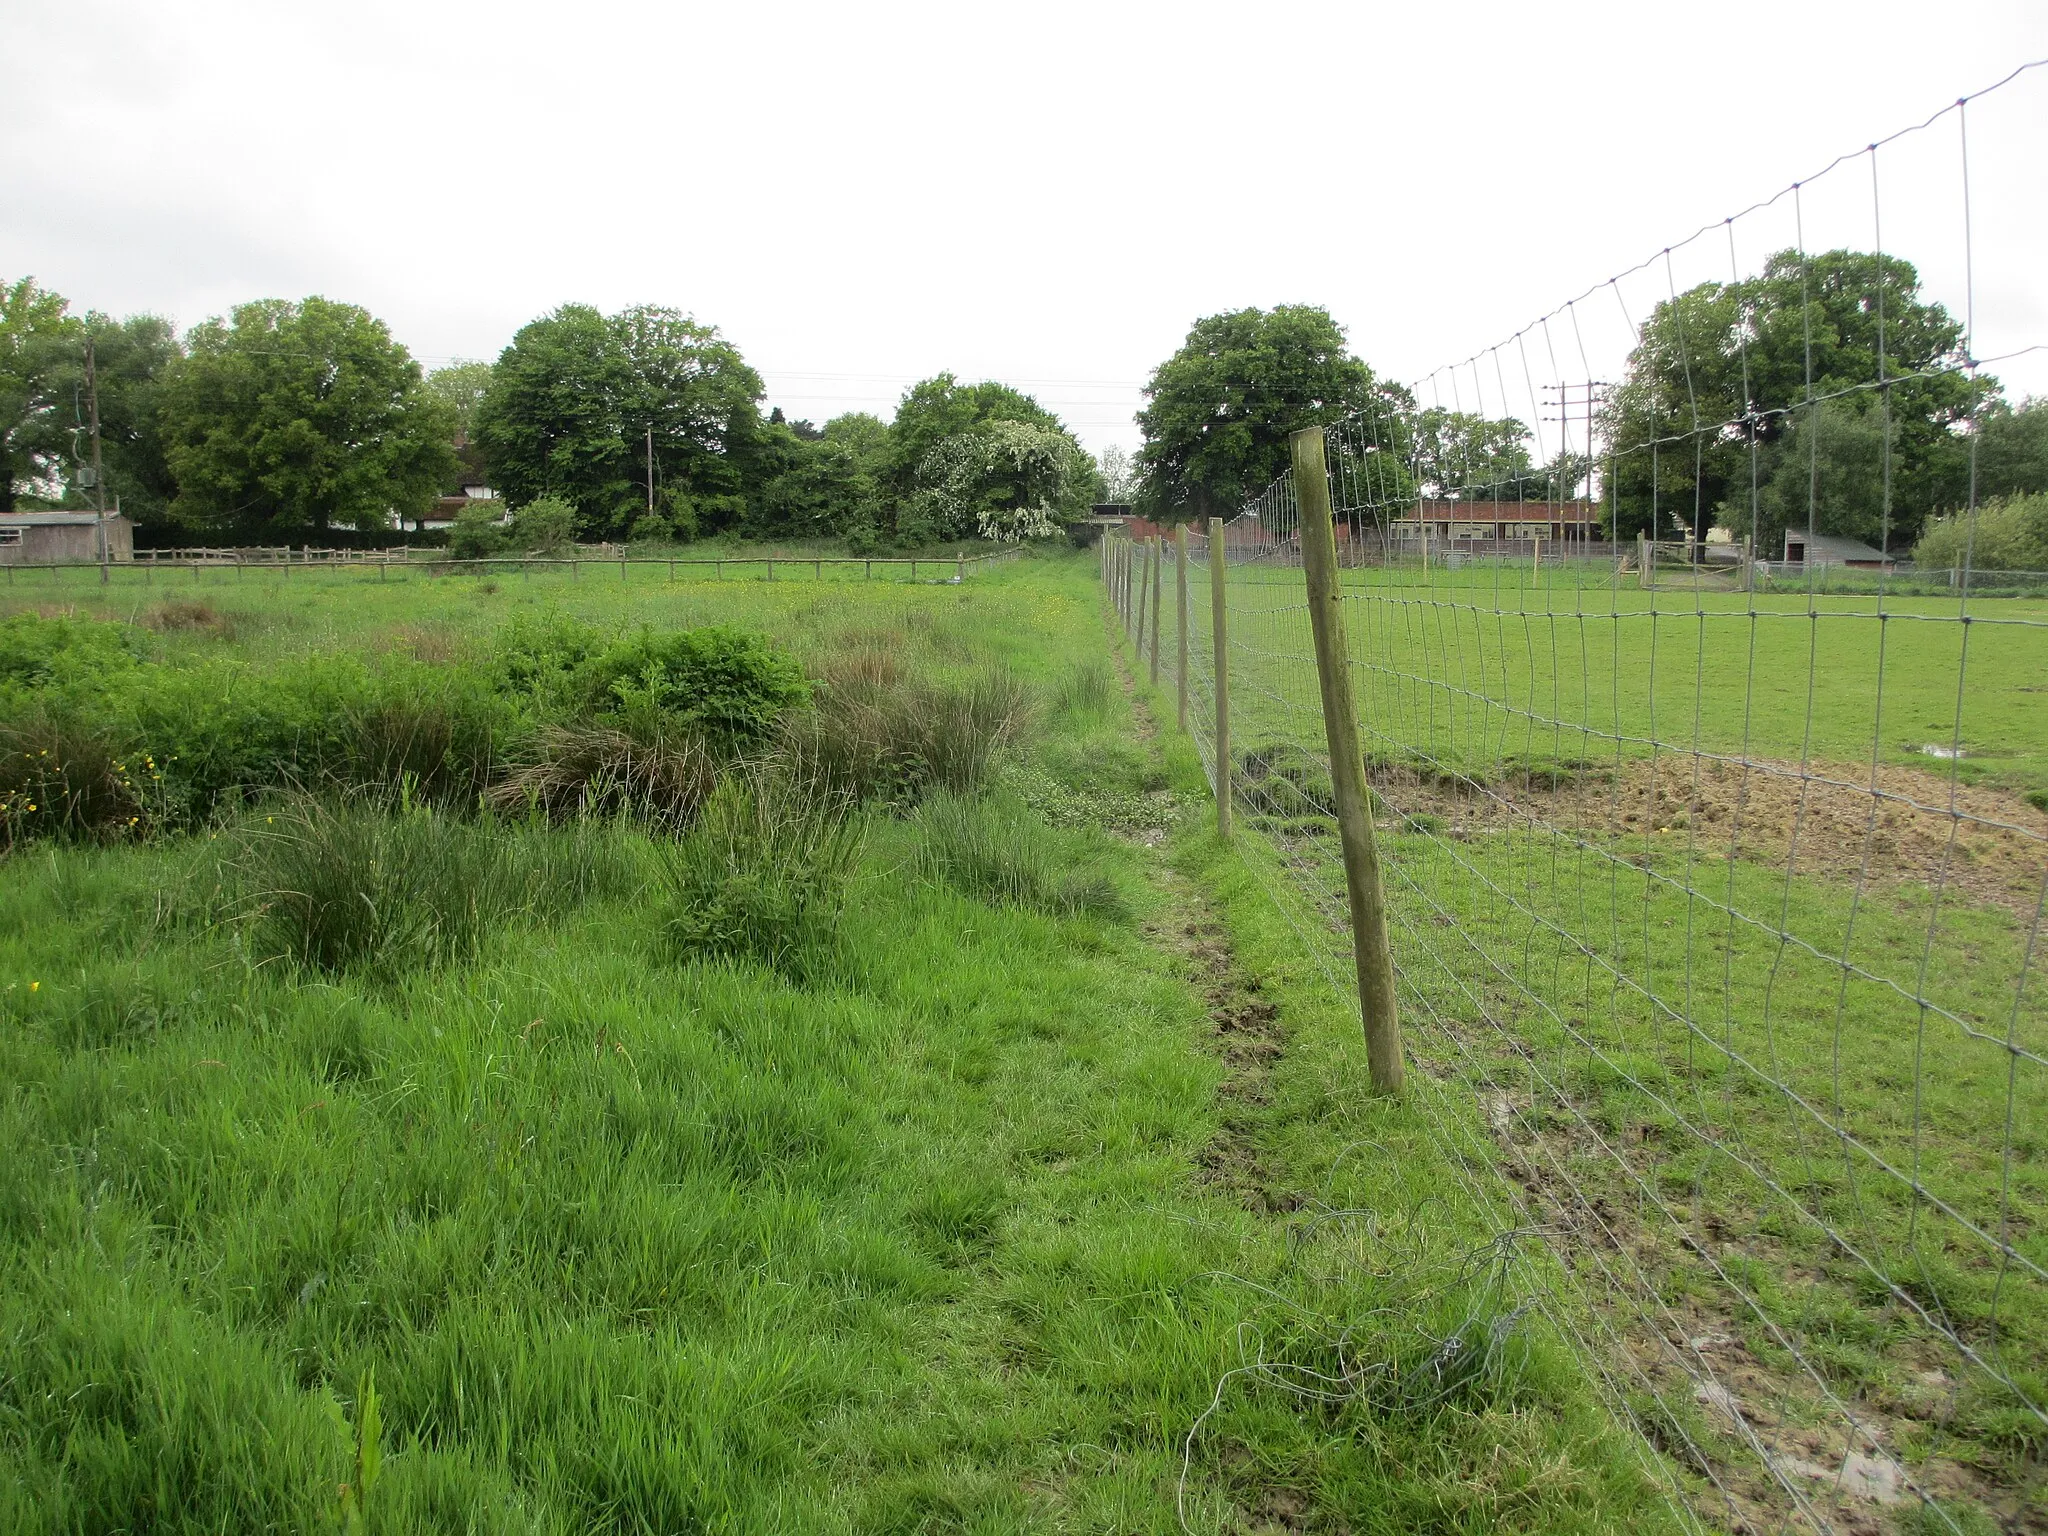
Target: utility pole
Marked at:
1589, 395
650, 469
99, 483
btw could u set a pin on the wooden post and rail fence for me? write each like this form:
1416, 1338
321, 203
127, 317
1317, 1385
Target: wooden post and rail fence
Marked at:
197, 563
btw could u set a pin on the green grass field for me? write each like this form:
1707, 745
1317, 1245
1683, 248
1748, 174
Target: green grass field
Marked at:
1038, 1191
1649, 911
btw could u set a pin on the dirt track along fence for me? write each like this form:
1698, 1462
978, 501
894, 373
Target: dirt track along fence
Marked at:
1715, 895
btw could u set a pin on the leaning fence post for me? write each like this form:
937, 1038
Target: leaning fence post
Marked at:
1377, 1006
1180, 614
1219, 634
1158, 600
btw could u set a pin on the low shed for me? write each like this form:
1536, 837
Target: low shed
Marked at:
1832, 549
55, 538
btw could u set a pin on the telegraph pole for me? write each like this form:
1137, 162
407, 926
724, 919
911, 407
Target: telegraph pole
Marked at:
650, 469
1588, 396
99, 481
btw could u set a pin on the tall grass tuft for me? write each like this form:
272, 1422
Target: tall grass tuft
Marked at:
63, 778
997, 850
1086, 690
573, 771
879, 735
763, 875
190, 614
384, 888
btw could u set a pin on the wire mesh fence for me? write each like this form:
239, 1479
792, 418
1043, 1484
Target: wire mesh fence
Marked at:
1715, 889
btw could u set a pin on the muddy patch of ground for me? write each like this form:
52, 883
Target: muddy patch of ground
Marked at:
1834, 821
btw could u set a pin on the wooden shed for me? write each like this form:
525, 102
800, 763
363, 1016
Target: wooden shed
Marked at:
55, 538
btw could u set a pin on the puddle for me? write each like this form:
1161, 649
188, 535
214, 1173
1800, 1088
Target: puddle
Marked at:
1945, 753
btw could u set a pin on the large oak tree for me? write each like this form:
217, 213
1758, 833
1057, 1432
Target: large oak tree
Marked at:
293, 418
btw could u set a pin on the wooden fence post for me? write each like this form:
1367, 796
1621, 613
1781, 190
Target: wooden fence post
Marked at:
1180, 614
1219, 634
1144, 591
1158, 599
1377, 1006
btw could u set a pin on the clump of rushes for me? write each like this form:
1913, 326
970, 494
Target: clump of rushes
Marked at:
763, 875
65, 779
878, 735
997, 850
386, 887
662, 777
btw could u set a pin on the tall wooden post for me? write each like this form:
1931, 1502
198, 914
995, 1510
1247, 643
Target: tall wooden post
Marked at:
1369, 944
1143, 578
1180, 615
1158, 577
1219, 633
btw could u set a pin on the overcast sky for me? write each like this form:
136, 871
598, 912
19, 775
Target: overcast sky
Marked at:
860, 195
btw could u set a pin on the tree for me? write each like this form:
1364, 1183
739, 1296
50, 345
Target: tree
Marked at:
1461, 456
1721, 371
36, 335
461, 387
1221, 407
131, 359
1121, 475
941, 407
573, 401
291, 418
1003, 480
2012, 453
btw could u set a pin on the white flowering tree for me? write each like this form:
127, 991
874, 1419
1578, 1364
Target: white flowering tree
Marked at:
1006, 480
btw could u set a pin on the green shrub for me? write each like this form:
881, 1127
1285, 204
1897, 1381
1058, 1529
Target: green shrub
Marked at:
2011, 534
544, 526
478, 533
763, 874
727, 685
38, 653
996, 849
537, 657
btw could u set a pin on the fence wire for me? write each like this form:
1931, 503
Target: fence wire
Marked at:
1716, 896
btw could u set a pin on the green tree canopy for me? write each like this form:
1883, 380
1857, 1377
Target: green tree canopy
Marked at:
1722, 369
1468, 457
1221, 408
943, 407
2012, 452
1002, 480
461, 388
572, 401
37, 335
290, 418
132, 358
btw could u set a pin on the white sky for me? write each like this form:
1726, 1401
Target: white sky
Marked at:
860, 195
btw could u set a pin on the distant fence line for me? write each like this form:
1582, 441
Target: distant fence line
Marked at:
756, 567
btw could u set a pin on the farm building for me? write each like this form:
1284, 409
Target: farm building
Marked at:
1827, 549
50, 538
1448, 522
